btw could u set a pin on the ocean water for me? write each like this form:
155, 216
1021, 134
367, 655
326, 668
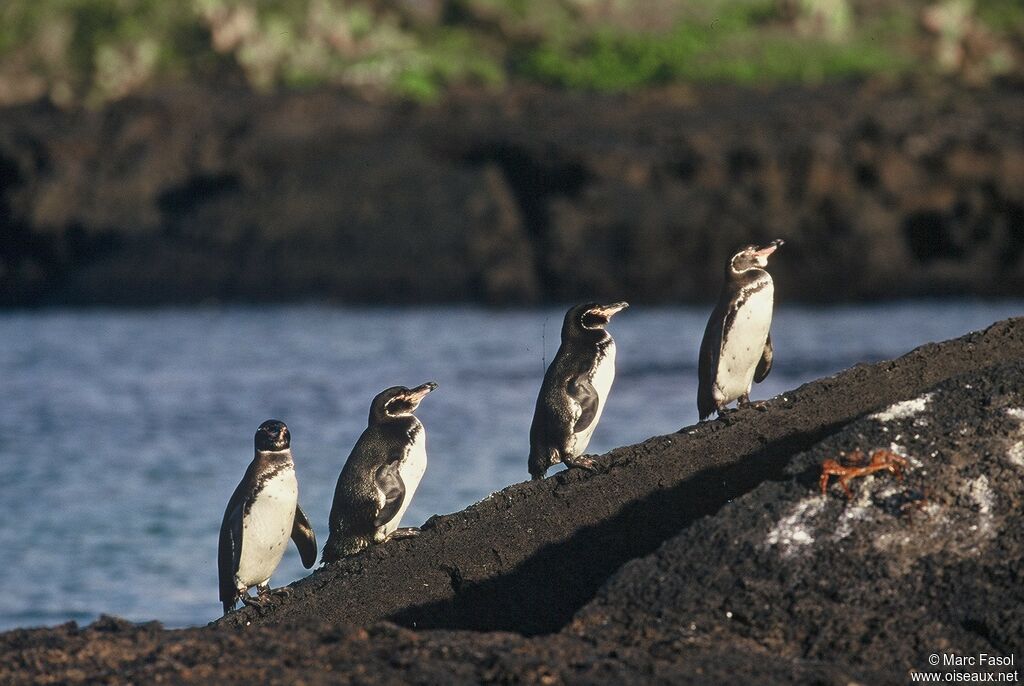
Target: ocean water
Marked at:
123, 434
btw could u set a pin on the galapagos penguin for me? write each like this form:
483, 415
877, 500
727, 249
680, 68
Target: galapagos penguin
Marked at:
261, 515
381, 474
737, 346
575, 390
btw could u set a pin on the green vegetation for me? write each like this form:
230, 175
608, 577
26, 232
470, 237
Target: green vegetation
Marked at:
98, 50
1002, 15
738, 44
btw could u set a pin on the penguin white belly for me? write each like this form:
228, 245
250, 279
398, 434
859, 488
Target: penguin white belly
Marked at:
267, 528
743, 345
604, 375
411, 470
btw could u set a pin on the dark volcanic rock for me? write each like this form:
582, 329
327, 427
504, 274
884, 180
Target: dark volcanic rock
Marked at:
377, 654
190, 195
903, 570
705, 557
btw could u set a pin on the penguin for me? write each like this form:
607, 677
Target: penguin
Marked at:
737, 346
575, 390
381, 475
261, 515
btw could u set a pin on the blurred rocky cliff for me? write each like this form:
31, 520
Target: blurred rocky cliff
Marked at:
195, 194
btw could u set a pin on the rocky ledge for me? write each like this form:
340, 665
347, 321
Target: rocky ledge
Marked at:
708, 555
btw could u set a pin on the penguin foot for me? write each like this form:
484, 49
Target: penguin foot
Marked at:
581, 463
282, 592
744, 402
250, 601
404, 532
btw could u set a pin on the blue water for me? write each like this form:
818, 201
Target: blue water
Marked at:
122, 434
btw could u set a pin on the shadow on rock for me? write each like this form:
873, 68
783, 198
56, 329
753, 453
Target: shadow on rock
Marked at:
541, 594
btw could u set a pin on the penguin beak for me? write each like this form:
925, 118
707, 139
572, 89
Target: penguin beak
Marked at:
769, 249
608, 311
417, 394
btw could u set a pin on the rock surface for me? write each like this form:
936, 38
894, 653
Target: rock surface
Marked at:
195, 195
708, 556
880, 582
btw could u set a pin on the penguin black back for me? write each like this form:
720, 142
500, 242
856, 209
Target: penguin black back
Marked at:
574, 389
381, 473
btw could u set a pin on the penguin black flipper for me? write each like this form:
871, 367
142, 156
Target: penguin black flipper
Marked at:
391, 485
765, 365
545, 445
707, 365
304, 537
228, 552
583, 392
229, 548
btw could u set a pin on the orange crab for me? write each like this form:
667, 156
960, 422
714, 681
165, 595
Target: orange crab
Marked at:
881, 460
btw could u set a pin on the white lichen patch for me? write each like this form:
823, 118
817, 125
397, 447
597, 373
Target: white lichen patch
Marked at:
907, 540
793, 531
850, 516
855, 511
902, 452
982, 495
1015, 454
903, 409
862, 510
892, 489
1016, 412
941, 529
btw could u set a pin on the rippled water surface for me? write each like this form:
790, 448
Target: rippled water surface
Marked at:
122, 434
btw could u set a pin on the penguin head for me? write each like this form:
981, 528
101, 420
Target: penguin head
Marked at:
273, 435
752, 257
590, 317
398, 401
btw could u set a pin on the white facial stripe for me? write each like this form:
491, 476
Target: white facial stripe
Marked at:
732, 263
